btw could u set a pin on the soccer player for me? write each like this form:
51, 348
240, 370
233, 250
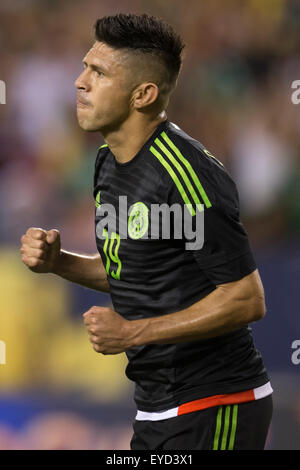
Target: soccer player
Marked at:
181, 310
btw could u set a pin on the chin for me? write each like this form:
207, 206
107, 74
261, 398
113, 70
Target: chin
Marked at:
87, 126
90, 128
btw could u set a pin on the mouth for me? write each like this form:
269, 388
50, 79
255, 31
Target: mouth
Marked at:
82, 103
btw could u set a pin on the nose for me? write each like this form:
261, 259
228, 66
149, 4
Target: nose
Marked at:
81, 82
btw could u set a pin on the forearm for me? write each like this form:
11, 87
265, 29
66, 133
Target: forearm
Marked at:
85, 270
222, 311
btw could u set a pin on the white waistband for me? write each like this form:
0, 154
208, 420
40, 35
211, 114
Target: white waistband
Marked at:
258, 393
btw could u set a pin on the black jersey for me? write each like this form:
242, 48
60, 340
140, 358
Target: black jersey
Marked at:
153, 273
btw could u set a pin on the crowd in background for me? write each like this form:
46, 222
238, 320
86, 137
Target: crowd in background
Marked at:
233, 95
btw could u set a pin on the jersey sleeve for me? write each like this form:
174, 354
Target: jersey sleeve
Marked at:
224, 253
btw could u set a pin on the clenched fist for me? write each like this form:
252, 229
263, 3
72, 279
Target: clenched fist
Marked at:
109, 332
40, 249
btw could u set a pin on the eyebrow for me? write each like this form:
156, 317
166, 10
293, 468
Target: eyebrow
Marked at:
95, 67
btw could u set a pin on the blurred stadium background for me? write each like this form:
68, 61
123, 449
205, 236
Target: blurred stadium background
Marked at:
234, 95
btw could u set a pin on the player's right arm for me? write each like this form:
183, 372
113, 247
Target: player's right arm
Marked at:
41, 253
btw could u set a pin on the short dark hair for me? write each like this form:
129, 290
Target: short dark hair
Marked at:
145, 34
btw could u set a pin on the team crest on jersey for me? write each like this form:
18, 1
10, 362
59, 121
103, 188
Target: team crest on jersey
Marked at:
138, 220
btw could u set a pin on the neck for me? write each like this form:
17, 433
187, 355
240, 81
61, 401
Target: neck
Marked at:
126, 141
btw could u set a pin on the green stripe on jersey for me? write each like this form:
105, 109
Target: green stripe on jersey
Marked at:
228, 422
174, 178
226, 428
233, 427
102, 146
218, 429
181, 171
189, 167
97, 200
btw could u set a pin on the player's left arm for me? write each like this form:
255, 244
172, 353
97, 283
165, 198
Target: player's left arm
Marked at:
227, 308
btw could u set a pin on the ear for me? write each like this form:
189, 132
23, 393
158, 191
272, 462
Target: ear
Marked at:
145, 95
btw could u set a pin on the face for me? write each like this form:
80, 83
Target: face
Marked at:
104, 92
